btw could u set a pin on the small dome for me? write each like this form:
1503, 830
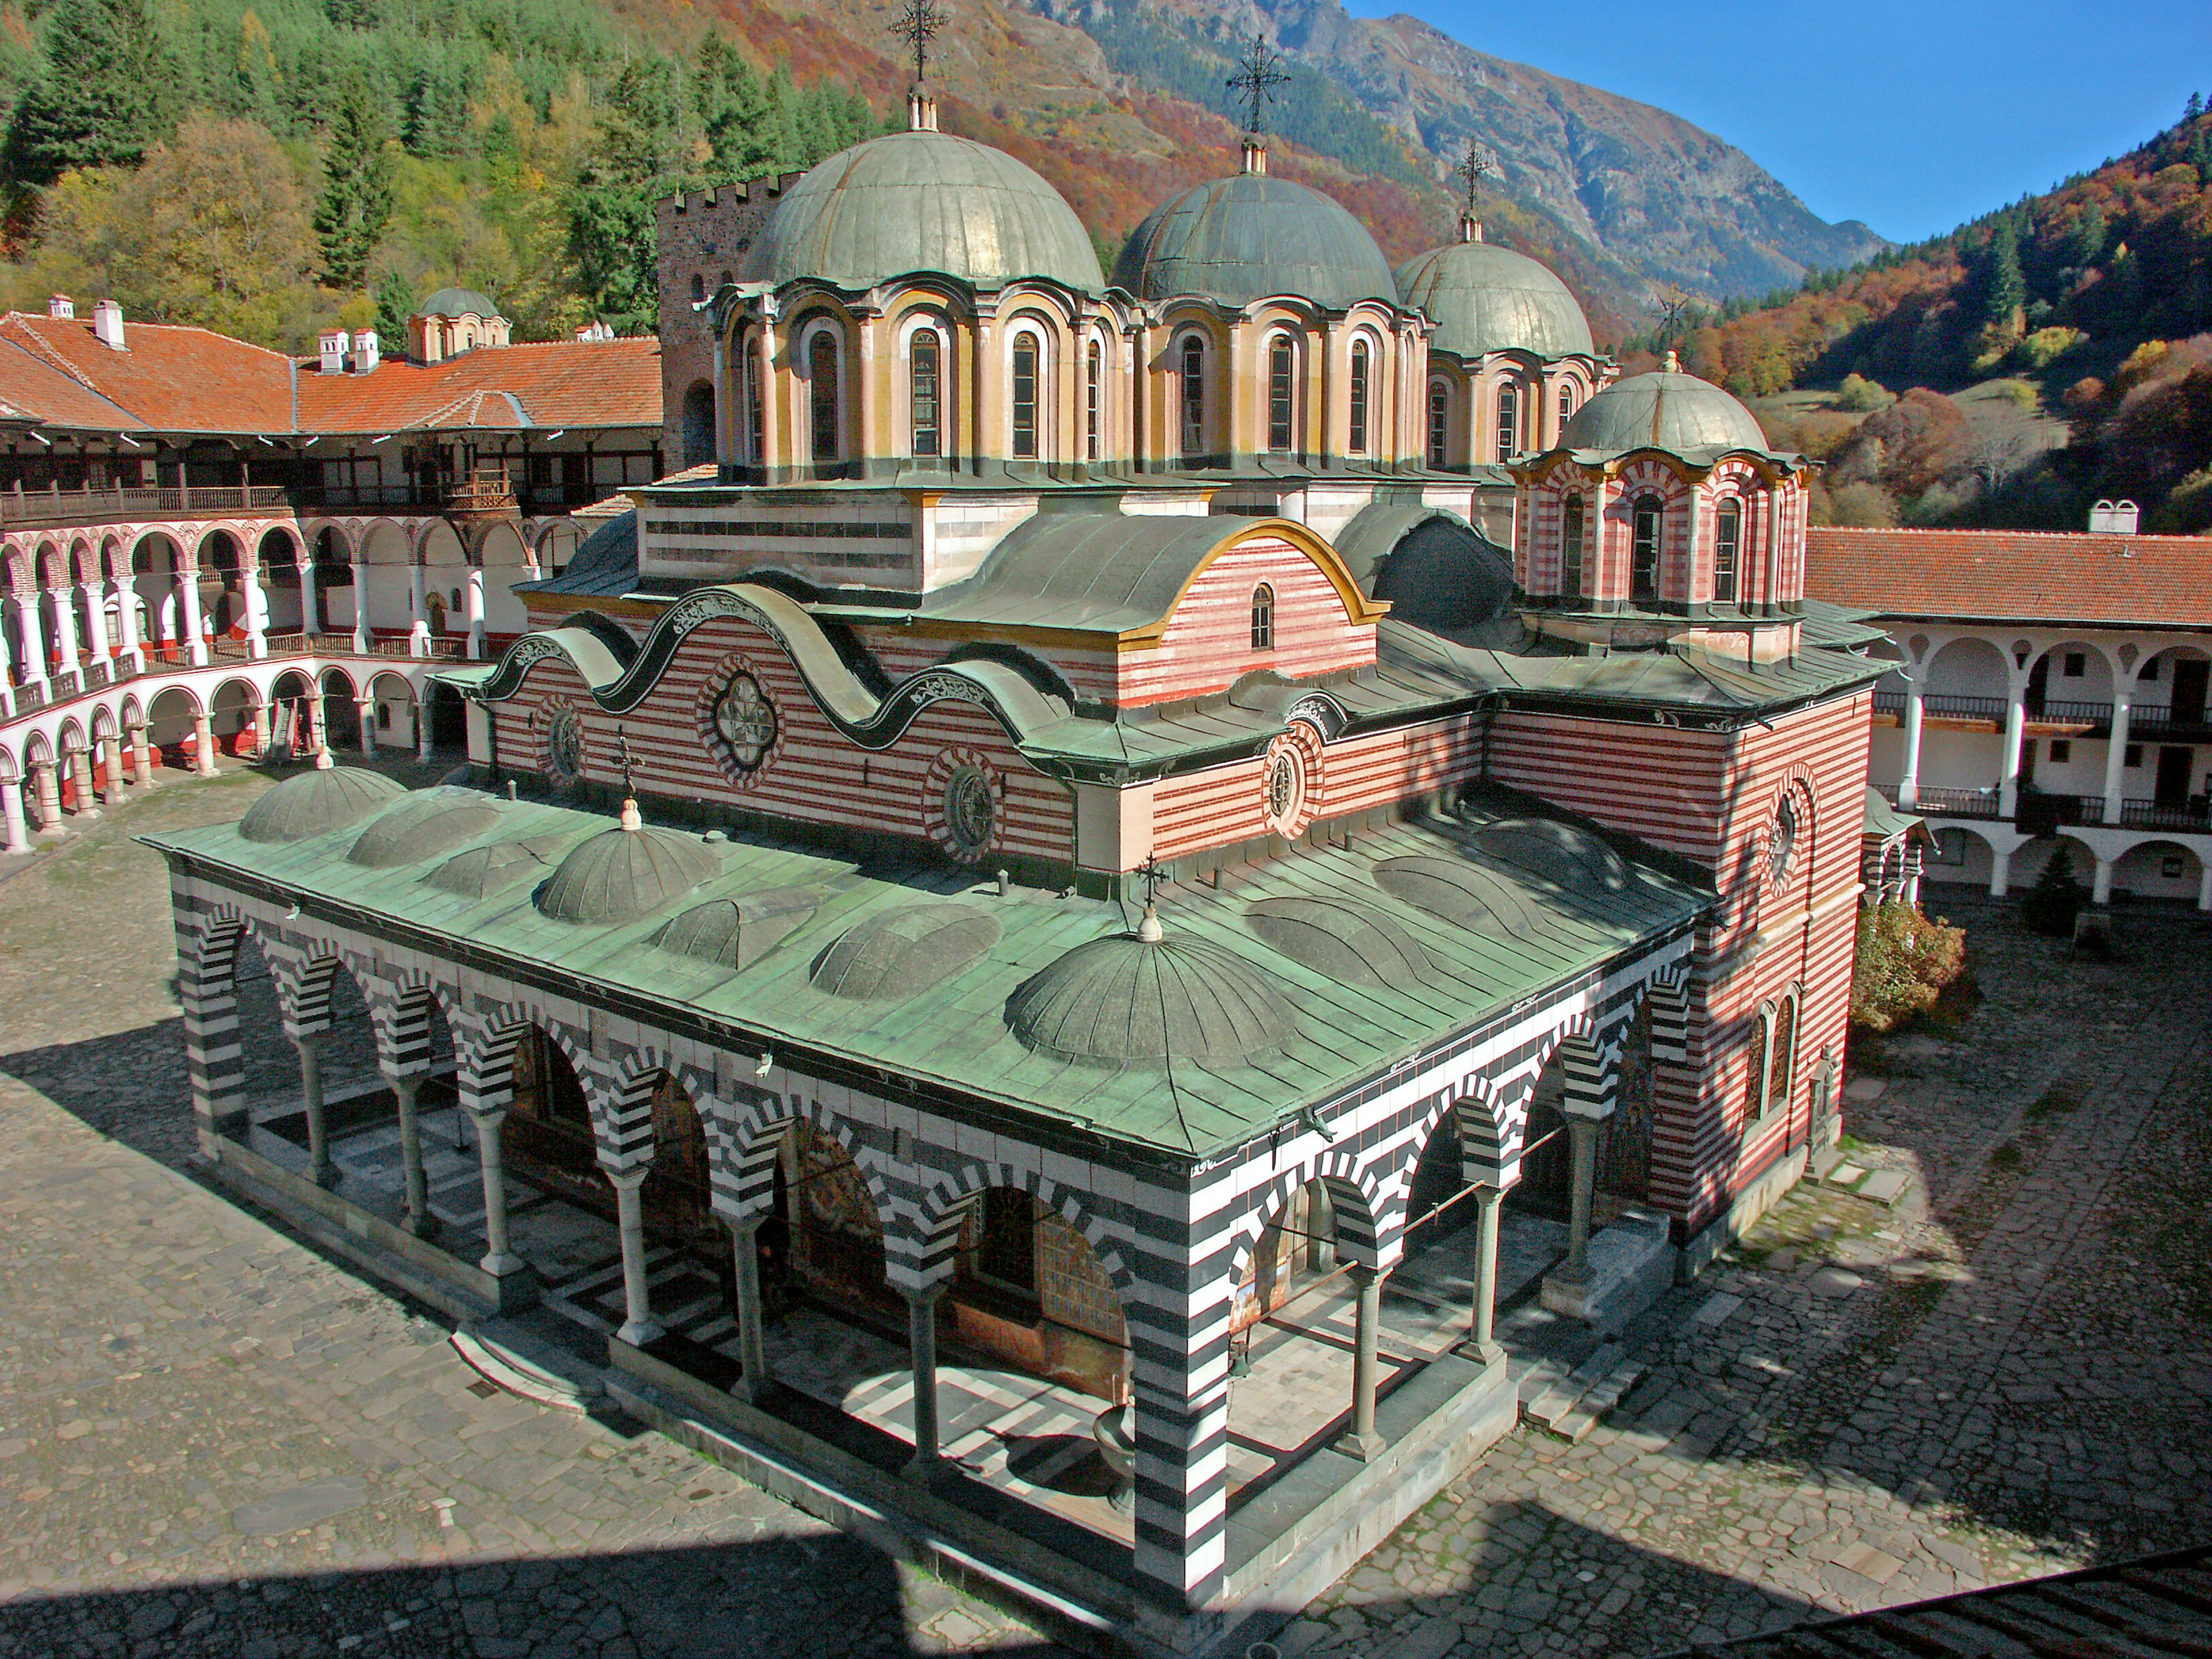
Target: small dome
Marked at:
1466, 895
738, 933
483, 871
1566, 854
1251, 236
316, 803
1487, 298
1127, 1000
924, 201
423, 824
1346, 940
1664, 409
621, 873
896, 953
457, 302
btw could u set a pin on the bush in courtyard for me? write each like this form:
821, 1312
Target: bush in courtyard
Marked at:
1861, 396
1905, 964
2050, 905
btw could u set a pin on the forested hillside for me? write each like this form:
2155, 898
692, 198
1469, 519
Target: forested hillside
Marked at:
2091, 303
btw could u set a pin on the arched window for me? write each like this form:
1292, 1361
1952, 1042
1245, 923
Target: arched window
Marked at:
1567, 410
1727, 547
1643, 550
1755, 1075
1782, 1056
821, 394
924, 372
1194, 398
1356, 440
1571, 547
1263, 617
1094, 367
1509, 422
1439, 422
1025, 397
756, 444
1282, 368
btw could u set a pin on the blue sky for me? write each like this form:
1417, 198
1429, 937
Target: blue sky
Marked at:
1912, 115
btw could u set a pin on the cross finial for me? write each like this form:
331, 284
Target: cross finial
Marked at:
1479, 163
630, 818
1258, 74
919, 22
1150, 870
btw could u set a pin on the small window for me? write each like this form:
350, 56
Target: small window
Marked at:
2062, 749
1093, 373
1728, 543
698, 287
2076, 661
753, 402
2150, 669
1193, 399
1643, 553
1439, 422
928, 432
1783, 1064
1755, 1075
821, 384
1571, 547
2171, 866
1567, 410
1263, 617
1025, 397
1282, 363
1509, 422
2133, 757
1356, 440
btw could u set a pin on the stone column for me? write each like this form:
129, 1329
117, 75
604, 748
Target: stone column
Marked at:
637, 1327
1908, 786
195, 642
111, 762
126, 619
1913, 863
498, 1261
310, 598
2115, 755
1582, 1133
18, 833
1362, 1442
320, 1170
475, 594
360, 606
752, 1344
2101, 891
418, 610
423, 724
80, 765
203, 745
257, 611
2008, 762
92, 597
35, 644
141, 756
365, 713
921, 1344
2205, 888
419, 1222
65, 627
47, 785
261, 727
2000, 869
1482, 1344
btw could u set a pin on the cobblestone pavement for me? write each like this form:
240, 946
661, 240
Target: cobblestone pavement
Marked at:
1860, 1408
214, 1441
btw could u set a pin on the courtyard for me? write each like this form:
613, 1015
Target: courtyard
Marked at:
214, 1438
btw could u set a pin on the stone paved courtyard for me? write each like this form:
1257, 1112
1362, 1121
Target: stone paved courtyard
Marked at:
212, 1440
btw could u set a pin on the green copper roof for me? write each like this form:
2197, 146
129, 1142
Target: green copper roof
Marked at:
938, 1017
1483, 298
459, 302
1249, 236
924, 202
1127, 999
316, 802
1664, 409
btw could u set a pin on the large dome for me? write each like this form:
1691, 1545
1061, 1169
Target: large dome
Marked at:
1664, 409
621, 873
315, 803
1130, 1000
1248, 236
924, 201
1486, 298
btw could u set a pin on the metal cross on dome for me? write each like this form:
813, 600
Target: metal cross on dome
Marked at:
1258, 75
1150, 870
1478, 164
918, 23
622, 754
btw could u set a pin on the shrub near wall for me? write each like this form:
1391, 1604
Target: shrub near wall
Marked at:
1905, 963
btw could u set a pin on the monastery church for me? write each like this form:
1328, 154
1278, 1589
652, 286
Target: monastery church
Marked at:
1052, 940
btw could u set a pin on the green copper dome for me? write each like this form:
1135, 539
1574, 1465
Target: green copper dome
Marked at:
459, 302
1483, 297
1664, 409
1143, 1000
422, 825
315, 803
924, 201
1246, 237
625, 872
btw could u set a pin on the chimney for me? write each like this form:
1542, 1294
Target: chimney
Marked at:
335, 341
108, 323
366, 354
60, 307
2114, 518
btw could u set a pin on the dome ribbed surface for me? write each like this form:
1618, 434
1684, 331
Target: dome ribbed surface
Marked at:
422, 825
1664, 409
316, 803
459, 302
1483, 297
896, 953
483, 870
1349, 941
1566, 854
1249, 236
738, 933
924, 201
621, 873
1122, 1001
1465, 895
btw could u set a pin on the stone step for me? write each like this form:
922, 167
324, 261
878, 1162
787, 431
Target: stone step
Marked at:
1576, 1423
509, 1356
1562, 1395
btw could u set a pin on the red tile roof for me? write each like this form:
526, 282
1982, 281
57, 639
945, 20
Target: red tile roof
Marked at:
2011, 575
172, 379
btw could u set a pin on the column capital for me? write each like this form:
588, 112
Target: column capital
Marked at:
627, 1180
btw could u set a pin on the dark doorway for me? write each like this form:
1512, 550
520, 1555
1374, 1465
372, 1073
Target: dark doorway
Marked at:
698, 424
2189, 687
2038, 684
2173, 763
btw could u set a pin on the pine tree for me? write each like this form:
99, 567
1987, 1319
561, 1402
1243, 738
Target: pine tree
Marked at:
2050, 905
107, 96
612, 232
395, 304
357, 199
2089, 235
2006, 291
